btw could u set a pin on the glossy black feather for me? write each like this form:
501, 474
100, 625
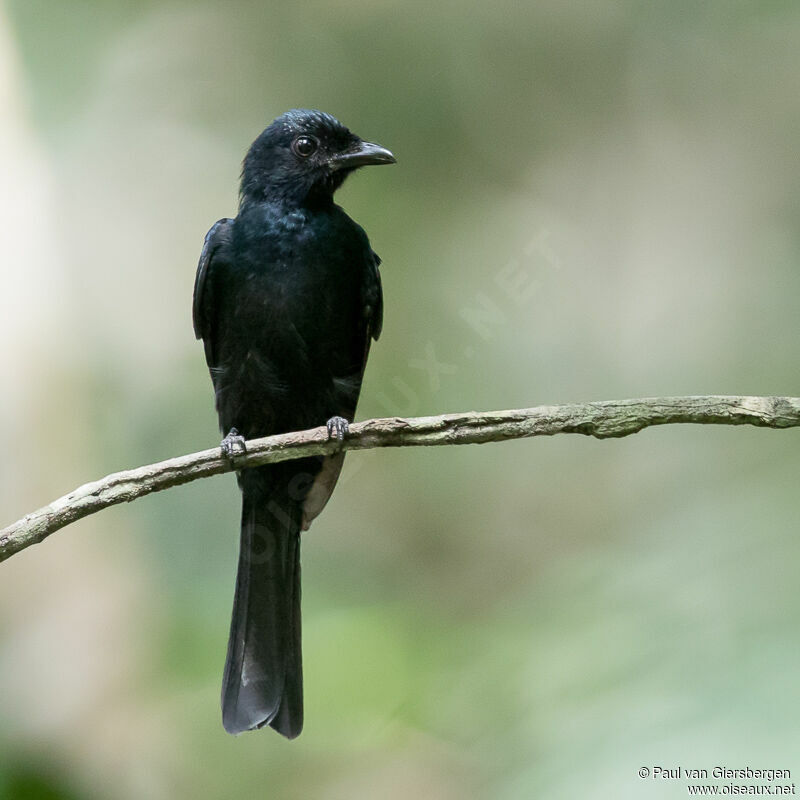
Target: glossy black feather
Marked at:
286, 300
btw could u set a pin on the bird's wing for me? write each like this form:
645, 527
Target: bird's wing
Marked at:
374, 302
201, 307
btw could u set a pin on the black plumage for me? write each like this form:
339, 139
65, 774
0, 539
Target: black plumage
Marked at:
287, 299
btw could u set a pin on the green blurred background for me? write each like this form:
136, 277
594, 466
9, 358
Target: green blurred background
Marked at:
533, 619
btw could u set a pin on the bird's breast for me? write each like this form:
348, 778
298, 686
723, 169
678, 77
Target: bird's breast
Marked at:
298, 280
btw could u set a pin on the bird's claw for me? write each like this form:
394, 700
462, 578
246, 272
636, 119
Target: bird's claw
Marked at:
338, 428
233, 446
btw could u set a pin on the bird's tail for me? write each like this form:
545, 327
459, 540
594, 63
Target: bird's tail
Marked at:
263, 682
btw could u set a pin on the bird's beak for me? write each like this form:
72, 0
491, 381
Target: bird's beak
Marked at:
361, 155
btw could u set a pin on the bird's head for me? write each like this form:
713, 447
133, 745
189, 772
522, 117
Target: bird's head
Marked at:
304, 157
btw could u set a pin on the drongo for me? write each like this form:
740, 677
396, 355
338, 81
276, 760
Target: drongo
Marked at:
286, 300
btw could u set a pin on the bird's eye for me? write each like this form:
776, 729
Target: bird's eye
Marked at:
304, 146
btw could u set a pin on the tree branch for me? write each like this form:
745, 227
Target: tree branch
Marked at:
602, 420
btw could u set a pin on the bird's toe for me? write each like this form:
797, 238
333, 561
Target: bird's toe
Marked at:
338, 428
233, 446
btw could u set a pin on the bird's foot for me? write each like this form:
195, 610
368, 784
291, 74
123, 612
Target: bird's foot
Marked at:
338, 428
233, 446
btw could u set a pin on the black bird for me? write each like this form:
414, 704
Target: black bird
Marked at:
287, 298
